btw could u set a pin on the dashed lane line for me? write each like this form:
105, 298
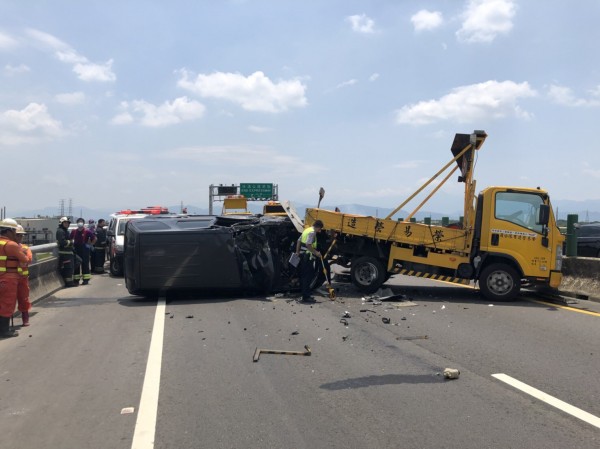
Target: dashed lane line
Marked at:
145, 425
550, 400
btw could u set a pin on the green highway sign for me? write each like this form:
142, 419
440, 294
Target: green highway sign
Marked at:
256, 190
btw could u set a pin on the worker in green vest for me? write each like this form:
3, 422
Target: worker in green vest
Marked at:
306, 248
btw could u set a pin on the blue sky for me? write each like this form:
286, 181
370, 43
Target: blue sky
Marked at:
124, 104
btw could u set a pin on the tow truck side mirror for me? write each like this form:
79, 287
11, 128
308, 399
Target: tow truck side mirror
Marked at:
544, 216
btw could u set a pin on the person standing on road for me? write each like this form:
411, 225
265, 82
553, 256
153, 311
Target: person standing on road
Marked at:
83, 240
306, 248
92, 228
11, 257
66, 258
100, 247
23, 303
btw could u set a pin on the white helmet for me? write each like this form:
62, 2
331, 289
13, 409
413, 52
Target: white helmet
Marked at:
20, 230
63, 219
8, 223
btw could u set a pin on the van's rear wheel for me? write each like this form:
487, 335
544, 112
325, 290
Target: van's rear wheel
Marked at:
367, 274
499, 282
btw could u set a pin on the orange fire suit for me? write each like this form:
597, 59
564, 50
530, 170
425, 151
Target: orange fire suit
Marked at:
11, 256
24, 305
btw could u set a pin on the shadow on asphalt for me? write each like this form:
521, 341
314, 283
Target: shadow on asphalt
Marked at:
386, 379
180, 298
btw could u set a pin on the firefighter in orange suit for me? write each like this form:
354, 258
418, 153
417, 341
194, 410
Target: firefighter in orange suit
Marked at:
11, 257
23, 303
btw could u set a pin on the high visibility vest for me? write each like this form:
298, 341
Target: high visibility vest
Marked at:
7, 263
304, 237
24, 270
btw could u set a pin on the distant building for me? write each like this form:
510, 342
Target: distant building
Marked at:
39, 230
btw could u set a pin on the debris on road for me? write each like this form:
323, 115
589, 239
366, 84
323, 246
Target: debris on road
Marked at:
385, 320
259, 351
344, 321
295, 333
346, 314
367, 310
189, 316
417, 337
451, 373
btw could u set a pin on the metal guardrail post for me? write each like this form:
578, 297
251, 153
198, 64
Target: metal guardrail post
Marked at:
445, 221
571, 235
427, 220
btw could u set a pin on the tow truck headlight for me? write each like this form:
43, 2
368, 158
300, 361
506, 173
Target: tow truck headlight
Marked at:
559, 256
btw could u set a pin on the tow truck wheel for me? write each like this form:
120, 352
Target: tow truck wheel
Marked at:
367, 274
499, 282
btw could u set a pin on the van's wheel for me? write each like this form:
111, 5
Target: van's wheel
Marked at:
499, 282
367, 274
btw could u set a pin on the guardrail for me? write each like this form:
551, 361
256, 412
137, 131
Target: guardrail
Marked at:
44, 278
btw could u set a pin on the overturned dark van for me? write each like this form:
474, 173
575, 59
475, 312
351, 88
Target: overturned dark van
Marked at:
210, 253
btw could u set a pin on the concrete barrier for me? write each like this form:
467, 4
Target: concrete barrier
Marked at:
581, 277
44, 277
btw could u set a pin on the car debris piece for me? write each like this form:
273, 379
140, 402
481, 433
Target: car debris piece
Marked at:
346, 314
295, 333
417, 337
451, 373
367, 310
189, 316
344, 321
273, 351
386, 320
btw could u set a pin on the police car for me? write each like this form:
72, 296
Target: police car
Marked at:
115, 246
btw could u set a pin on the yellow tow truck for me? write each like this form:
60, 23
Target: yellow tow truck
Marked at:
235, 205
508, 237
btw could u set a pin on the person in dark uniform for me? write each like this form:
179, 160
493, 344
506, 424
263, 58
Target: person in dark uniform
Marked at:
66, 258
100, 247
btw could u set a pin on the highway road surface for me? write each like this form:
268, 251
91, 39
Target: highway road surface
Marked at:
100, 369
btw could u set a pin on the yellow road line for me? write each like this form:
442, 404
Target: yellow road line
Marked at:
570, 309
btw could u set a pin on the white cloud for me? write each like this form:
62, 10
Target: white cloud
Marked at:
71, 98
169, 113
11, 70
239, 159
373, 77
427, 20
258, 129
361, 23
84, 68
95, 72
470, 104
28, 125
7, 42
484, 20
564, 96
253, 93
351, 82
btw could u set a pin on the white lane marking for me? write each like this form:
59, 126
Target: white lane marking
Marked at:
145, 425
551, 400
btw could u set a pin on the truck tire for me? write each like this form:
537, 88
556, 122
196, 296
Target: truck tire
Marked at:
367, 274
499, 282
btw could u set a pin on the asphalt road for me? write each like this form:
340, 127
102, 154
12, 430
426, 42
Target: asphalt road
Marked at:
65, 381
